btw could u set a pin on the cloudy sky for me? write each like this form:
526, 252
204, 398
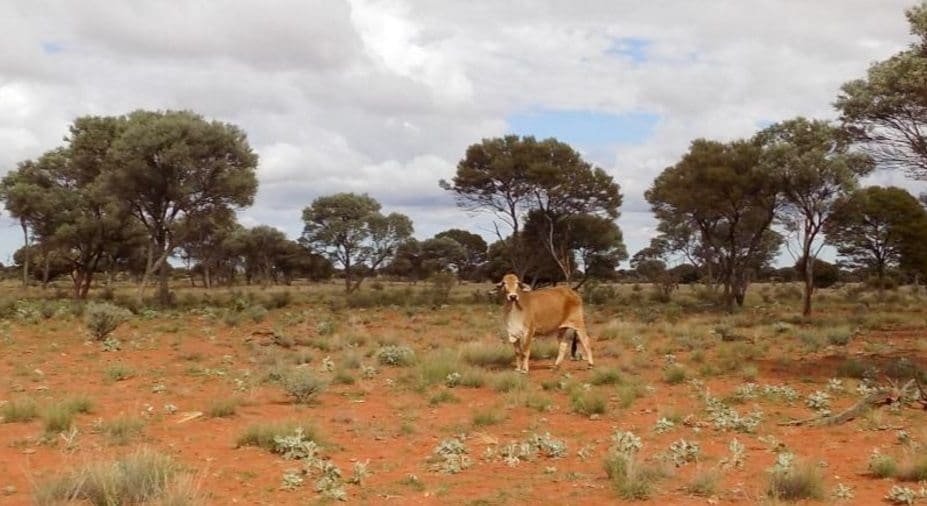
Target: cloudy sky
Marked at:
383, 97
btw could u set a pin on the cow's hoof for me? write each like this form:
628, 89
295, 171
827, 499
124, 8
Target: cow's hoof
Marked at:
522, 371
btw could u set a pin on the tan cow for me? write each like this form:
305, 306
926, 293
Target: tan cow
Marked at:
526, 313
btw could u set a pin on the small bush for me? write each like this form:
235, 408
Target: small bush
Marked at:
913, 470
840, 337
487, 417
587, 403
19, 410
852, 368
674, 375
301, 385
796, 483
396, 356
264, 435
138, 478
509, 381
605, 376
278, 300
630, 480
704, 483
442, 397
882, 466
119, 372
121, 430
257, 313
103, 318
57, 418
222, 408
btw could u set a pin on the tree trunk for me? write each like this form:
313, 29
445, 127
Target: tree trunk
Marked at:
45, 272
85, 286
808, 267
164, 291
207, 281
25, 253
348, 288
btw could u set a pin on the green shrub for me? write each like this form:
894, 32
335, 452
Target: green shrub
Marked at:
301, 385
882, 466
913, 470
222, 408
587, 403
487, 417
279, 300
509, 381
263, 435
629, 479
396, 356
796, 483
605, 376
257, 313
103, 318
674, 375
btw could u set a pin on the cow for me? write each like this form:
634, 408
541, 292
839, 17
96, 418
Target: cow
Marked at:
528, 312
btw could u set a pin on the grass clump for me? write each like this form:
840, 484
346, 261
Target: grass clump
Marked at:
442, 397
704, 483
435, 368
587, 403
674, 375
103, 318
914, 469
264, 435
630, 480
509, 381
487, 417
605, 376
794, 482
121, 430
19, 410
118, 372
487, 356
140, 477
222, 408
882, 466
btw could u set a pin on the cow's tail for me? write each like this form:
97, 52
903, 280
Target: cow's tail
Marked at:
574, 344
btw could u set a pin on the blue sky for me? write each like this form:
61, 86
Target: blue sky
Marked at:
585, 129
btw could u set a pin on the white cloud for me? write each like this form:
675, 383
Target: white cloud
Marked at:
383, 96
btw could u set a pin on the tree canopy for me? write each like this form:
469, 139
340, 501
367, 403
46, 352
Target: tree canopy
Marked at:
350, 230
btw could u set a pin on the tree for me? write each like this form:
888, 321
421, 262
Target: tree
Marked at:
887, 111
815, 169
512, 176
475, 251
352, 232
205, 241
173, 167
720, 191
262, 248
878, 228
63, 199
27, 195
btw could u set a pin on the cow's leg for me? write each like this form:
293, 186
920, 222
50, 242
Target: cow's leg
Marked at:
562, 348
526, 351
518, 354
585, 345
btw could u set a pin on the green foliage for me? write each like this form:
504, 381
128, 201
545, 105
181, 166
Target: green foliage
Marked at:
882, 466
587, 402
396, 356
301, 385
119, 372
264, 435
674, 375
795, 482
490, 416
520, 176
102, 318
350, 229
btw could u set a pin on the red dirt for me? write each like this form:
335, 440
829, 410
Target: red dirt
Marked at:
365, 420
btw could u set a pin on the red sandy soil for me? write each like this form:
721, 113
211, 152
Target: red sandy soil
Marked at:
365, 421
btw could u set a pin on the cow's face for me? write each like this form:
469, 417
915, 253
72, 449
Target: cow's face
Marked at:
511, 287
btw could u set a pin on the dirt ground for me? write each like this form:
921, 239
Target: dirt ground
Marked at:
189, 360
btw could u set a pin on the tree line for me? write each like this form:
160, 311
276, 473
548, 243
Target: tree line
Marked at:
124, 194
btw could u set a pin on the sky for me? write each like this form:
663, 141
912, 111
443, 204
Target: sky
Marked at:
383, 97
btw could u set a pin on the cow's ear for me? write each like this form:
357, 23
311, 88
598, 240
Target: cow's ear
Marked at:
525, 288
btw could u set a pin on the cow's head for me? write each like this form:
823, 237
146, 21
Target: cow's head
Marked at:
512, 288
